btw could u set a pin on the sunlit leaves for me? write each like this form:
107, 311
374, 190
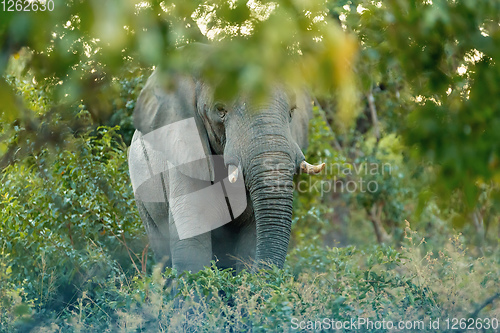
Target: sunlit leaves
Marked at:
78, 49
441, 57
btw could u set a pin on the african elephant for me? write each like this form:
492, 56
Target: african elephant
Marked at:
214, 181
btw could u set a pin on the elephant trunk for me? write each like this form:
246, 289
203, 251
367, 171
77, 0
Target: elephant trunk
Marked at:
271, 190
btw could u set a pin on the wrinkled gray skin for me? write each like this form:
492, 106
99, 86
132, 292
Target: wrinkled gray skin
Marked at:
266, 140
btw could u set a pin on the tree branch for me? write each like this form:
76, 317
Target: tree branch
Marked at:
336, 144
375, 215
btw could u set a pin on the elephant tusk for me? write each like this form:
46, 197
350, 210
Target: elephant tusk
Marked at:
310, 168
233, 173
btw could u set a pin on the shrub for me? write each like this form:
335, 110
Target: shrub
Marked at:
375, 283
66, 218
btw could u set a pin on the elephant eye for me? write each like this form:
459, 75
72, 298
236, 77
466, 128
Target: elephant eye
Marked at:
221, 110
292, 109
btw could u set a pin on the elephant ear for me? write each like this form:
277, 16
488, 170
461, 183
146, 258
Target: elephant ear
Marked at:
300, 121
173, 134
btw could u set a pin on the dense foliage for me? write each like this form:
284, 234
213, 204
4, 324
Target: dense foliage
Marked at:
403, 225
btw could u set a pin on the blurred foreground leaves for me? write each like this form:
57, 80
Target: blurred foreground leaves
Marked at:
437, 64
78, 51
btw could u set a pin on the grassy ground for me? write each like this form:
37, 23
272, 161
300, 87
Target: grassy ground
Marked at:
375, 289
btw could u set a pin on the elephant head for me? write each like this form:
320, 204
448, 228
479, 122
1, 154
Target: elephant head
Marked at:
257, 145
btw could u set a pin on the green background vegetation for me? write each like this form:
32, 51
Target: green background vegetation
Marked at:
408, 88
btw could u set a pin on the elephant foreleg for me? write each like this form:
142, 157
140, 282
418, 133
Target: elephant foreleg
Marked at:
190, 254
158, 234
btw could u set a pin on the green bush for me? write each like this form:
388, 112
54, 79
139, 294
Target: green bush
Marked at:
66, 217
377, 283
